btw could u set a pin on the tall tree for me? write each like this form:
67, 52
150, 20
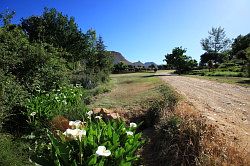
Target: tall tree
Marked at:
6, 17
216, 42
59, 30
239, 46
179, 61
83, 51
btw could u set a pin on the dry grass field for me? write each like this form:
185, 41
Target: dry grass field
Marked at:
135, 94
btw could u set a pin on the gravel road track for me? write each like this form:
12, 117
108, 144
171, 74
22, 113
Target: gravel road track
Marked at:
225, 105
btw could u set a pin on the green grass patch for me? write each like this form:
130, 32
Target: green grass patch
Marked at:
242, 81
129, 91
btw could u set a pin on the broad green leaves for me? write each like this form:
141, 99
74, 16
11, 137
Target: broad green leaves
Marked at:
111, 135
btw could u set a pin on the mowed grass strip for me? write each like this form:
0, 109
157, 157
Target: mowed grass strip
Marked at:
242, 81
129, 91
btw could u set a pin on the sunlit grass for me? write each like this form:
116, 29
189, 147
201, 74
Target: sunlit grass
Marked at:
129, 91
242, 81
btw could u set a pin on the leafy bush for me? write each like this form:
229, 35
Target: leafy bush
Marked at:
12, 99
93, 142
65, 101
181, 62
79, 50
225, 74
13, 153
33, 64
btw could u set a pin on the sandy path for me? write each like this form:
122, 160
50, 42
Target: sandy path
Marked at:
226, 105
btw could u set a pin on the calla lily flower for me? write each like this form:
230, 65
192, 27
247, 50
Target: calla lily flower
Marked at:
133, 125
129, 132
89, 114
76, 124
74, 134
33, 114
102, 151
98, 117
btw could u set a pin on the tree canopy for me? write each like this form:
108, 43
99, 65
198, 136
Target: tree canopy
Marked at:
6, 17
215, 45
216, 42
59, 30
53, 43
182, 63
239, 46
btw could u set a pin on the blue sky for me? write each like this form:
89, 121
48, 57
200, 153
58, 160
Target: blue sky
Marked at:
146, 30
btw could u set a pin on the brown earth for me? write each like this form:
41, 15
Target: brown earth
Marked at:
226, 105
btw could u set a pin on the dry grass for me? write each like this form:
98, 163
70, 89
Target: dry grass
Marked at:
181, 136
129, 92
217, 149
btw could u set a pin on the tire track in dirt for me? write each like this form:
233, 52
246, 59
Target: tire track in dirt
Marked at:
226, 105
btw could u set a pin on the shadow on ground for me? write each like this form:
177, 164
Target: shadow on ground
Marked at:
246, 82
158, 75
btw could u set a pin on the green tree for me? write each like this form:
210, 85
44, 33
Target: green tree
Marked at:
248, 61
59, 30
210, 65
120, 67
84, 53
100, 62
6, 17
182, 63
33, 64
104, 60
215, 45
212, 56
152, 67
239, 46
216, 42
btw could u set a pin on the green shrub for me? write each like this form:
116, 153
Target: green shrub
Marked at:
51, 76
225, 74
35, 65
65, 101
13, 152
12, 100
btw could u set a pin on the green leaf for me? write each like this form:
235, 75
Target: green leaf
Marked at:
74, 163
92, 160
101, 163
43, 160
115, 139
61, 150
109, 130
124, 163
129, 158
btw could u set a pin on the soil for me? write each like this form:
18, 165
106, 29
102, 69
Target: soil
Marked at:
225, 105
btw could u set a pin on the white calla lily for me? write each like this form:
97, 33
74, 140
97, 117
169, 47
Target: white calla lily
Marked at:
32, 113
133, 125
102, 151
75, 134
98, 117
129, 133
89, 114
76, 124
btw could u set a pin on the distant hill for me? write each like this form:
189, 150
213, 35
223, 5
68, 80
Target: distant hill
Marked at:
136, 64
118, 57
147, 64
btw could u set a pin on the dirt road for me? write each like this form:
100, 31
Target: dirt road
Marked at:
223, 104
